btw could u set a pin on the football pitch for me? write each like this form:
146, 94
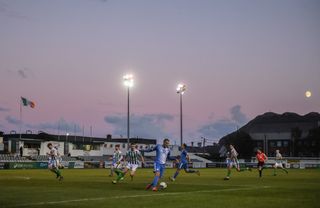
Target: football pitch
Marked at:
93, 188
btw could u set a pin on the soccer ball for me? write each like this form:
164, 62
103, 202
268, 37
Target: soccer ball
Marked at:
163, 185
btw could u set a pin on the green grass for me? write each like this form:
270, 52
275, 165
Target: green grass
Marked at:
93, 188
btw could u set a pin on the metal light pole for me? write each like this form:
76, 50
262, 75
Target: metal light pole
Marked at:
180, 90
66, 146
128, 82
128, 118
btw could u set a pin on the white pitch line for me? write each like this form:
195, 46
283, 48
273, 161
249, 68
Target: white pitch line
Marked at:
213, 185
135, 196
15, 177
22, 177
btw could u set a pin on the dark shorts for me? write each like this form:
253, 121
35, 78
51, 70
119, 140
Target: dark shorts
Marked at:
183, 166
260, 164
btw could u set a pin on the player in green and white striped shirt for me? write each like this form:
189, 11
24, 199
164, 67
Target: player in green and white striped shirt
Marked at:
278, 163
133, 158
116, 160
232, 161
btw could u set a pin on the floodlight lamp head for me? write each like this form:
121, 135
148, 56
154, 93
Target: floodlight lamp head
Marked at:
128, 80
181, 88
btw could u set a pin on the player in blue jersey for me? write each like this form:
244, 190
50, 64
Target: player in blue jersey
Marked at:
183, 164
162, 154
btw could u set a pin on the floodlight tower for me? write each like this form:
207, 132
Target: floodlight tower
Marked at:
128, 82
181, 88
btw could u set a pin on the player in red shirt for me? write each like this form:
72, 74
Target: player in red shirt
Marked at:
261, 157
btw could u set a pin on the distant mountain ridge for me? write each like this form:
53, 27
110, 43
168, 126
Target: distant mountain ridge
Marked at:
273, 122
285, 117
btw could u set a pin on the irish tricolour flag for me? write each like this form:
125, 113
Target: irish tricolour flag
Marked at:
26, 102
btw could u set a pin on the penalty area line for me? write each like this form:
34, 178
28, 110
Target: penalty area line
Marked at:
134, 196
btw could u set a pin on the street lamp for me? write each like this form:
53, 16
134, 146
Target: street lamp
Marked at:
180, 90
128, 82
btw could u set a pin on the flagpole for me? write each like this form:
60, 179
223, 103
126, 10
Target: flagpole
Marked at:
83, 133
20, 119
75, 136
59, 130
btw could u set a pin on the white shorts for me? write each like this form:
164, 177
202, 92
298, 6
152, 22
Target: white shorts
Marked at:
53, 163
116, 165
278, 165
232, 163
132, 167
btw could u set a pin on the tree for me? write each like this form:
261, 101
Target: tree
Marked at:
295, 136
242, 141
313, 141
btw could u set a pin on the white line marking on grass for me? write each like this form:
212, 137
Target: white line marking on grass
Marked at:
22, 177
136, 196
225, 185
198, 184
15, 177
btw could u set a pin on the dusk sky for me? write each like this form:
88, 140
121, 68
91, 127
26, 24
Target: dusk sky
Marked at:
238, 58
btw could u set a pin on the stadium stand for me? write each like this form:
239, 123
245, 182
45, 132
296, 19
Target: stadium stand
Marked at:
94, 158
40, 158
68, 159
195, 160
12, 158
44, 158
